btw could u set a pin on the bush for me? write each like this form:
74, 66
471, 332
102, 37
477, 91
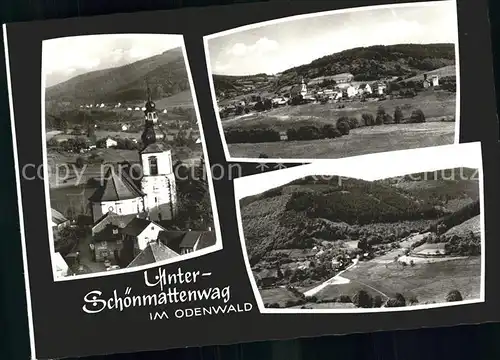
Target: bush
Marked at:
344, 299
330, 132
397, 301
312, 299
353, 122
343, 126
362, 299
417, 116
235, 136
377, 301
368, 119
413, 300
80, 163
454, 295
398, 115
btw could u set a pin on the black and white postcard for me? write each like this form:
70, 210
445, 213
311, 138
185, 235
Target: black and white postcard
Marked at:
305, 168
127, 185
338, 84
377, 233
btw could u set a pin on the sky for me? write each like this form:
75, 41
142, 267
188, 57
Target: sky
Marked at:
276, 47
64, 58
369, 167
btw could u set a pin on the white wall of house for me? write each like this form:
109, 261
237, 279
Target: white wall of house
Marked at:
123, 207
351, 91
110, 143
150, 233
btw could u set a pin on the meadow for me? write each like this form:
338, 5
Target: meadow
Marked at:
439, 128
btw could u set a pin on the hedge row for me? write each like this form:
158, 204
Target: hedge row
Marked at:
314, 132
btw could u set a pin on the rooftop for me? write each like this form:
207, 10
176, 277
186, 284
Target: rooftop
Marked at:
154, 252
117, 186
136, 226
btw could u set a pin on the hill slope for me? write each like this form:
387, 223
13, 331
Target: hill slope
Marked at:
365, 63
308, 211
166, 74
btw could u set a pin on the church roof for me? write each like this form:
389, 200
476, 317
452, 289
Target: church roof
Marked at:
155, 148
116, 187
154, 252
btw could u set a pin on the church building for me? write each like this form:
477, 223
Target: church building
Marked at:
154, 195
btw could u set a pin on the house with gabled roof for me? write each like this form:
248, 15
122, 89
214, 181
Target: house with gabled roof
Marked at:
118, 194
59, 222
139, 233
154, 252
185, 242
364, 89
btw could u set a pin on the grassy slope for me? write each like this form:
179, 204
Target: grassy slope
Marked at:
126, 83
434, 104
265, 216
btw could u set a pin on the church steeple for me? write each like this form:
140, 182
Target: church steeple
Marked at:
151, 132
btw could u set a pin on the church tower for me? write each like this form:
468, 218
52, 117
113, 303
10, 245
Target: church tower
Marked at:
158, 180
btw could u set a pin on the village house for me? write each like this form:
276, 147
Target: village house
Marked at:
185, 242
433, 81
350, 92
139, 233
110, 143
380, 88
364, 89
125, 127
107, 244
267, 277
155, 251
59, 222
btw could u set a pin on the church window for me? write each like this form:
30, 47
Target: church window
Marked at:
153, 165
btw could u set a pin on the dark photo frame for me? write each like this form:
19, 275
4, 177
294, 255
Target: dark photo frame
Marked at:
56, 307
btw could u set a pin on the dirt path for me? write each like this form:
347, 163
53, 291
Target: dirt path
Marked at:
336, 279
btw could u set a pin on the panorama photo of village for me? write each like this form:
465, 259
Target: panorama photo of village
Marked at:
338, 84
334, 243
127, 181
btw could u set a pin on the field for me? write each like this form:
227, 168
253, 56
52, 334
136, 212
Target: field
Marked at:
381, 139
428, 282
182, 99
436, 105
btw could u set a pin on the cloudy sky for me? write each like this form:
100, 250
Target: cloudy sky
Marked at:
64, 58
273, 48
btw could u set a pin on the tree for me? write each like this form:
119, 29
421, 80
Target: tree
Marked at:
413, 300
454, 295
362, 299
79, 162
368, 119
363, 244
398, 115
377, 301
380, 116
417, 116
343, 126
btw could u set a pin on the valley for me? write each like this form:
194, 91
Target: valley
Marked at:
348, 243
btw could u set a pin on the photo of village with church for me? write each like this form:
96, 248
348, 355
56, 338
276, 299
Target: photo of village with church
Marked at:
342, 84
127, 174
